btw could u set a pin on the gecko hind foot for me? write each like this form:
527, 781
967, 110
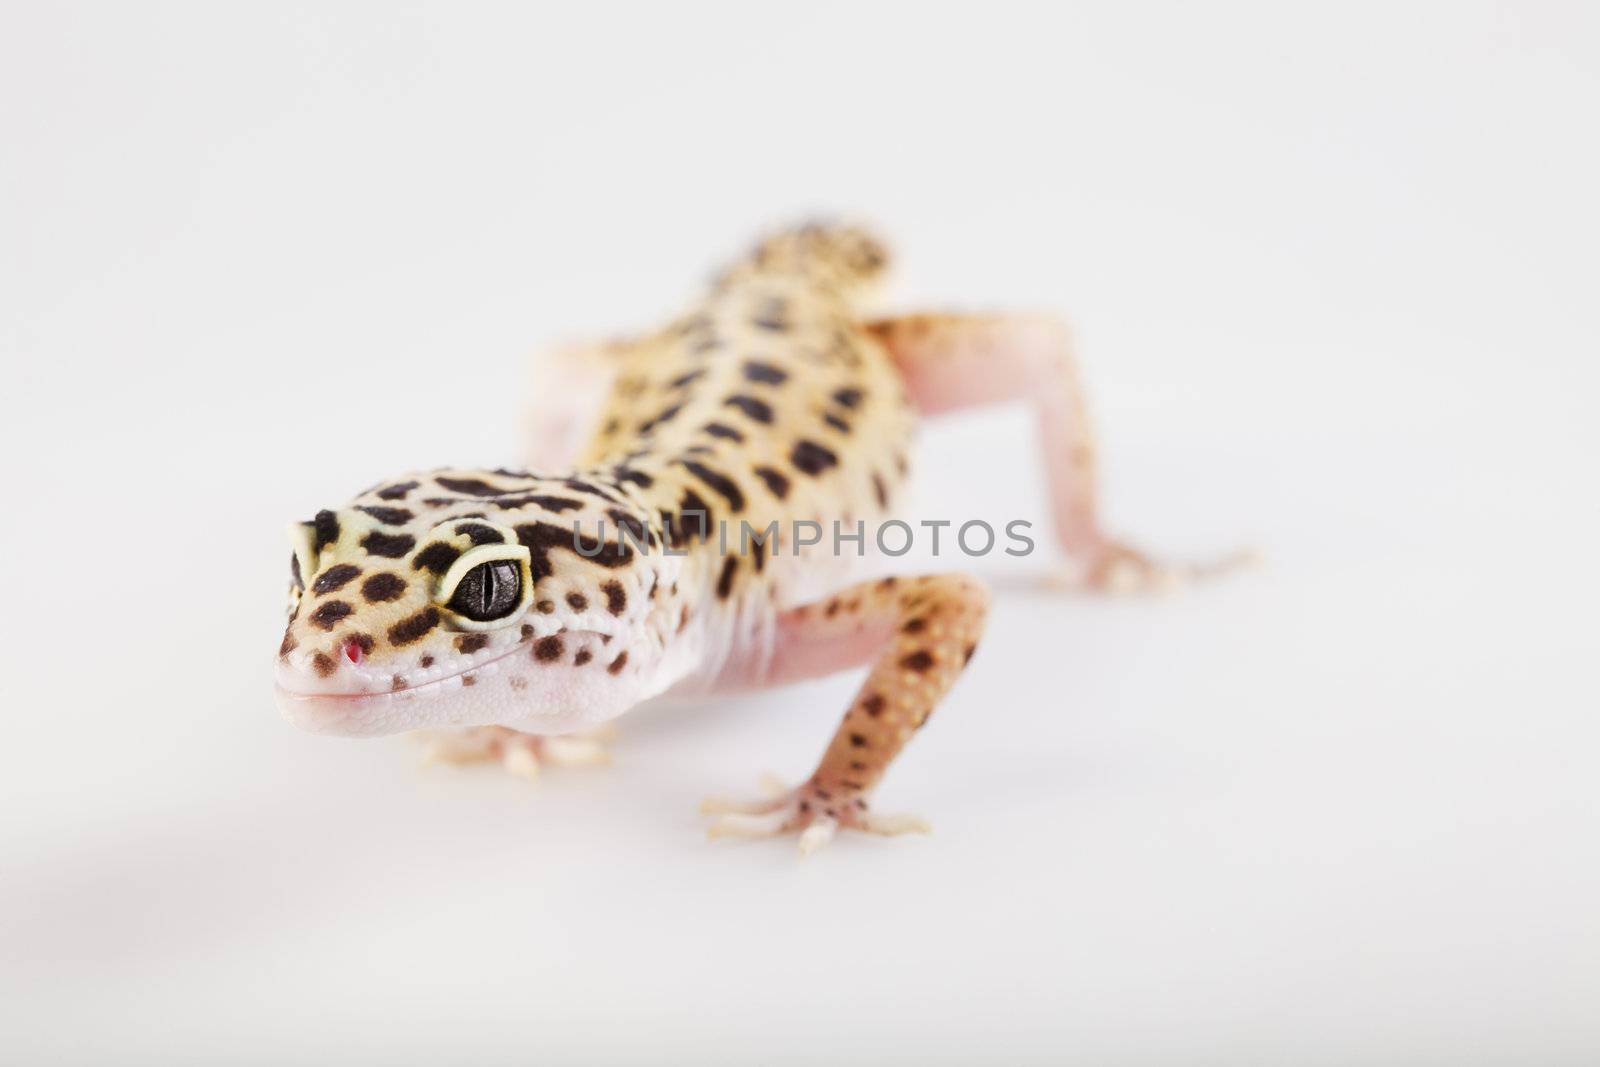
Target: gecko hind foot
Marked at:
809, 810
1121, 569
523, 755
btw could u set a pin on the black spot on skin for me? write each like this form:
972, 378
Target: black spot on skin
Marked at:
289, 644
549, 503
616, 597
617, 664
388, 516
873, 705
527, 631
848, 397
545, 607
638, 532
716, 429
467, 679
590, 489
684, 379
323, 664
663, 417
881, 491
577, 602
335, 578
414, 628
426, 661
727, 487
756, 409
547, 648
725, 580
694, 517
542, 538
639, 478
812, 458
397, 491
389, 546
467, 644
836, 422
326, 525
919, 661
470, 486
765, 373
858, 740
437, 557
329, 614
967, 655
583, 656
481, 534
777, 482
774, 315
914, 626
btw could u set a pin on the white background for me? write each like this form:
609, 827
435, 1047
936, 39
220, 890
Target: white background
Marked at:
1333, 273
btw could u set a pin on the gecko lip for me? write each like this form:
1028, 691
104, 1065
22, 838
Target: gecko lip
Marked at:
324, 712
374, 712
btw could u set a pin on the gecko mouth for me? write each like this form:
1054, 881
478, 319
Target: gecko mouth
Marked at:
374, 712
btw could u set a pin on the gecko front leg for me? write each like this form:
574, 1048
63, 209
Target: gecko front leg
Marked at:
920, 633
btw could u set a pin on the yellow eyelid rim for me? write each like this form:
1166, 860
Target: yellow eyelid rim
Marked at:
479, 554
303, 539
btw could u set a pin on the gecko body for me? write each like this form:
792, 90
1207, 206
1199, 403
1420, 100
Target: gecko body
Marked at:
505, 609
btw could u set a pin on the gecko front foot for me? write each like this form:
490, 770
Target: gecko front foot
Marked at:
810, 810
521, 754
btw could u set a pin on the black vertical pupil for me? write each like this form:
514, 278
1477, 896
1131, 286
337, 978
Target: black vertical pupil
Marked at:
488, 591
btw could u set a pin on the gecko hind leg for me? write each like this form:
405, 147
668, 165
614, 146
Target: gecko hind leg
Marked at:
949, 362
522, 754
566, 407
919, 633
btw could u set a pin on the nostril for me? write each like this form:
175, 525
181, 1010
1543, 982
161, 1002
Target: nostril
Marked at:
353, 651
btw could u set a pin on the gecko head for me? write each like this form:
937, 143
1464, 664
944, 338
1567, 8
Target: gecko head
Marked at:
415, 606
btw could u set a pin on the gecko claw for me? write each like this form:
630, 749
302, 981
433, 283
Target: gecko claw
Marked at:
816, 835
746, 825
894, 825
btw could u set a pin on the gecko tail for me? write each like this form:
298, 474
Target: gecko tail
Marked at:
840, 254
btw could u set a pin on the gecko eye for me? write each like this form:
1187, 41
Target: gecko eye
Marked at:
488, 591
488, 586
